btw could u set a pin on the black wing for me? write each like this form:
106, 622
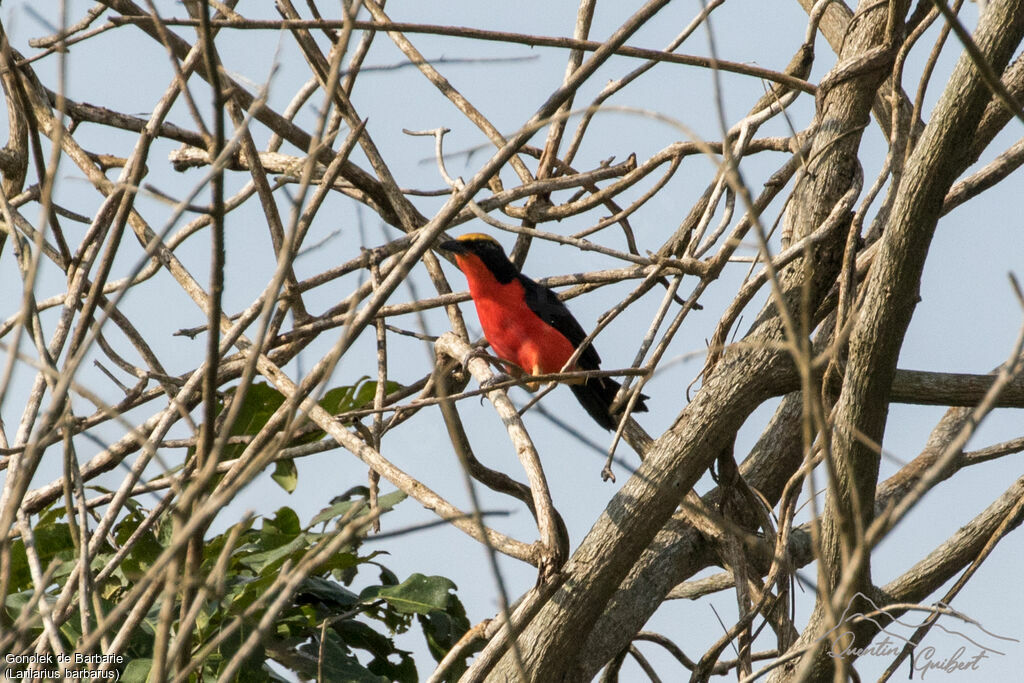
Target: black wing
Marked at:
549, 308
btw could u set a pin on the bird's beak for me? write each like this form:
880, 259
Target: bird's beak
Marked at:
453, 246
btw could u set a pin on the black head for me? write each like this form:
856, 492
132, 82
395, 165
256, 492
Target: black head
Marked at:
485, 248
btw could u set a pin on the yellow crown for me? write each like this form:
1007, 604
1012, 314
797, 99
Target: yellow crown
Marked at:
476, 237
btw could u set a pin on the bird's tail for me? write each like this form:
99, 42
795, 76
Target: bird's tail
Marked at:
596, 396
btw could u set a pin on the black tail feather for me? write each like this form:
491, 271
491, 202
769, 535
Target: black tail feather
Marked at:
596, 396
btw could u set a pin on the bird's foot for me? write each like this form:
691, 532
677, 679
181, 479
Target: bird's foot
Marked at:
477, 352
504, 370
498, 378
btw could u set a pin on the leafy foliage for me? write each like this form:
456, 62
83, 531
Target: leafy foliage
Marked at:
318, 635
329, 631
262, 400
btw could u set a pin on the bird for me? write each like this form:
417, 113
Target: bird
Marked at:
528, 326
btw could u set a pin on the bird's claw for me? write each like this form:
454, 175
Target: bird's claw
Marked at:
500, 366
496, 379
475, 352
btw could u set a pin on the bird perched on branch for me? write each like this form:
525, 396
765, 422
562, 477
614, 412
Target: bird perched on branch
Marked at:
526, 324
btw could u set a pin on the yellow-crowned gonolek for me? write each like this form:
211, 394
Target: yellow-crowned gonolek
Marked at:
527, 324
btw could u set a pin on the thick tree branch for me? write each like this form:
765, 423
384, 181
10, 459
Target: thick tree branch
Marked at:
889, 301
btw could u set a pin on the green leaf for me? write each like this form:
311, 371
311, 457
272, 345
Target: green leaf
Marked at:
165, 530
343, 399
341, 562
443, 629
403, 672
333, 511
15, 603
260, 402
340, 505
387, 577
71, 630
418, 594
243, 592
51, 513
326, 593
215, 546
359, 635
286, 475
137, 671
251, 669
53, 542
286, 521
339, 665
390, 500
265, 549
275, 556
145, 550
358, 395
